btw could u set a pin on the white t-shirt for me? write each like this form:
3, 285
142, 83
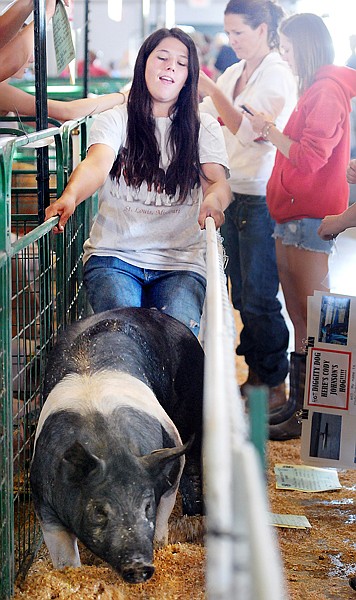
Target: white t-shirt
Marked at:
145, 228
271, 89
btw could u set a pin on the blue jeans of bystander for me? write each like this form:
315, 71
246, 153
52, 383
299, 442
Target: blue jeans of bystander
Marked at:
253, 274
112, 283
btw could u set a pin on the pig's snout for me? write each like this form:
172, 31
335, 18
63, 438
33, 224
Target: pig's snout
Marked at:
137, 572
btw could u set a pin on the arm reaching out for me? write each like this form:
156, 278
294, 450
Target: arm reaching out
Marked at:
15, 100
217, 194
64, 111
332, 225
85, 180
231, 117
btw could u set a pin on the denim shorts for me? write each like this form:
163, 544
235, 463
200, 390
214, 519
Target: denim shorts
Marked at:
302, 233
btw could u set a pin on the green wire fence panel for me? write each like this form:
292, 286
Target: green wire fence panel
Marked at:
41, 292
6, 513
70, 297
7, 567
33, 328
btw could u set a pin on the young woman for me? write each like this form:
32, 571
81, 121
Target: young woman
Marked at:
308, 179
161, 171
263, 79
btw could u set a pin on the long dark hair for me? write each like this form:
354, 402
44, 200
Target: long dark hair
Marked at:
142, 154
256, 12
312, 45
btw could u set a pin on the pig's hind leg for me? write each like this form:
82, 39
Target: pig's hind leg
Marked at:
62, 546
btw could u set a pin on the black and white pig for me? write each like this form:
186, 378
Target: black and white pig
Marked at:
122, 390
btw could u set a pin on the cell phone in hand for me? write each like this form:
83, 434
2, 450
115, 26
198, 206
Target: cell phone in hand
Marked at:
246, 109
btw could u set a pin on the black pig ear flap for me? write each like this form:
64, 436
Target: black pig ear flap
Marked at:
78, 463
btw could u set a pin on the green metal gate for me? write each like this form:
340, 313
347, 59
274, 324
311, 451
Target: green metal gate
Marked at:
41, 291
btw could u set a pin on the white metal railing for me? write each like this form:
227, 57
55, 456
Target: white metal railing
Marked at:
243, 560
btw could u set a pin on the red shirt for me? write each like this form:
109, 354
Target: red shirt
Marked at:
311, 183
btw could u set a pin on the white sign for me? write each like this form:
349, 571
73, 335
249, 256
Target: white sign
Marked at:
62, 37
329, 418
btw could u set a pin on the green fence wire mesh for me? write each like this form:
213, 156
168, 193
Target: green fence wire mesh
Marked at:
41, 292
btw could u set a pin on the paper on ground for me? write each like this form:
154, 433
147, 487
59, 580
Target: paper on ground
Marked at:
291, 521
306, 479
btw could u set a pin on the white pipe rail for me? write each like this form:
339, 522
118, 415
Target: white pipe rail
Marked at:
243, 560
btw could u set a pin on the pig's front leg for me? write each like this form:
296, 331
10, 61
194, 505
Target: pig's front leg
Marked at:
62, 546
164, 510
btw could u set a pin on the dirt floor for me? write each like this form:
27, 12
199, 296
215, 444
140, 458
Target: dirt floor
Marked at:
317, 562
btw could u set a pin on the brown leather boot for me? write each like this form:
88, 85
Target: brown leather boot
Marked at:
289, 418
277, 396
296, 390
288, 430
252, 380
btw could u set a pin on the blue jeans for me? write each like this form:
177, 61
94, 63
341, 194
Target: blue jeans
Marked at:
252, 269
112, 283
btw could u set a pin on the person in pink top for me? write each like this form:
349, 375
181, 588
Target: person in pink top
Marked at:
95, 68
308, 179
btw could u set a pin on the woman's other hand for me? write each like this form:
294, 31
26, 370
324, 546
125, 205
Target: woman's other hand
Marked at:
351, 171
330, 227
206, 85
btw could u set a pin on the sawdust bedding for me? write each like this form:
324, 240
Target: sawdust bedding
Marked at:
317, 562
179, 573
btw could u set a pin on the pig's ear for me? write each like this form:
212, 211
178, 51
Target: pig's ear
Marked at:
159, 461
78, 463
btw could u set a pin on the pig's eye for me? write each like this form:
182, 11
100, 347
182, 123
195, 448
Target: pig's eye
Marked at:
149, 510
98, 514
